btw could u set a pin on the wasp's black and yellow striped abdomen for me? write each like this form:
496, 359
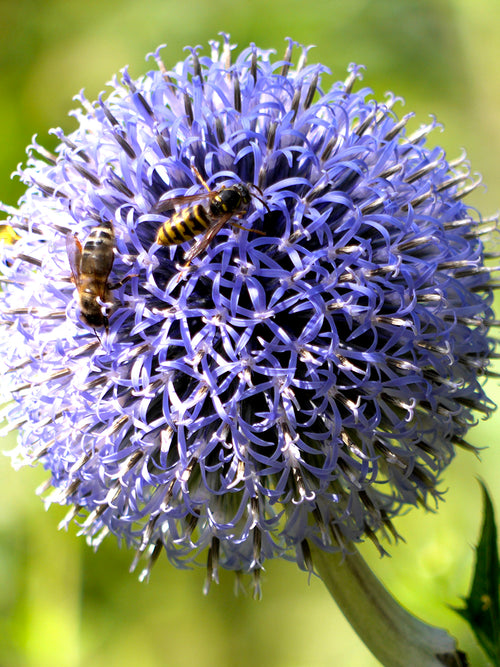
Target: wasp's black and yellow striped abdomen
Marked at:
184, 226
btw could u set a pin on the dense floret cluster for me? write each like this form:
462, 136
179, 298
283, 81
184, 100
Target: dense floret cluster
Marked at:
306, 376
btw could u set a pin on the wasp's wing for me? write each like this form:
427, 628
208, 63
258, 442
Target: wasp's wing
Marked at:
206, 239
74, 250
170, 203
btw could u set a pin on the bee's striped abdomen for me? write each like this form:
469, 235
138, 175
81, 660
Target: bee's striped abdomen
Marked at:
184, 226
97, 256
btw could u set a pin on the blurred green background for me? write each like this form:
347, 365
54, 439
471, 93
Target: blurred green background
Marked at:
61, 605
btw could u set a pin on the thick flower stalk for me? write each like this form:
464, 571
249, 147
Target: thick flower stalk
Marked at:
299, 377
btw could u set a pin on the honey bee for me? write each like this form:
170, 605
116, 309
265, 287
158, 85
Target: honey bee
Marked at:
224, 203
91, 265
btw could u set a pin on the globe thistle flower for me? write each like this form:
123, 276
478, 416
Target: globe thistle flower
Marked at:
291, 384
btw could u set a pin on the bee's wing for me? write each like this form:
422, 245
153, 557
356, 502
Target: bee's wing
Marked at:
170, 203
74, 250
206, 239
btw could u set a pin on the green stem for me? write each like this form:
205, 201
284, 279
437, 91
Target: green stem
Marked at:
393, 635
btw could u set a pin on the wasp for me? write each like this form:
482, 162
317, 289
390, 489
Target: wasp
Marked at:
91, 265
224, 203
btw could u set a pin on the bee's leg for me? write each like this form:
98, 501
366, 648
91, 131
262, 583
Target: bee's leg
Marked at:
122, 281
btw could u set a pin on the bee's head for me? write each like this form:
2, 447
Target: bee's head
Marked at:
95, 320
91, 312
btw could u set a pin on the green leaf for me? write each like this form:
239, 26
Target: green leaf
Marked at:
482, 610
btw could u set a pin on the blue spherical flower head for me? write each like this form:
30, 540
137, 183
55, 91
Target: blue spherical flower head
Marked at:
291, 312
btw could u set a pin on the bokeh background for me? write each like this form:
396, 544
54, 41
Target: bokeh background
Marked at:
61, 605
